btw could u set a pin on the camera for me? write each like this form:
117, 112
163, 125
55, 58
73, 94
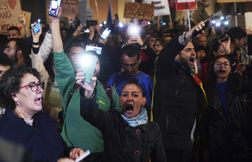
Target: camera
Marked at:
36, 26
54, 8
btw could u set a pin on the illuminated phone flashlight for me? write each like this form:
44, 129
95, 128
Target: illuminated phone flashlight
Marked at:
120, 25
133, 30
87, 62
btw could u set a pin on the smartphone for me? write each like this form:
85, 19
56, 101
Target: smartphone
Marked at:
86, 153
98, 50
105, 34
207, 23
88, 65
36, 26
86, 31
54, 8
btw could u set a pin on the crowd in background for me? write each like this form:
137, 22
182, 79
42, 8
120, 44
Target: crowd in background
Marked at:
169, 94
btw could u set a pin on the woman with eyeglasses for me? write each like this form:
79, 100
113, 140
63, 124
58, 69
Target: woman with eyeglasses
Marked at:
225, 121
24, 123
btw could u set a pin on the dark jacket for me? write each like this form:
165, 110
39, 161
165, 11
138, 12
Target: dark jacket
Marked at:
178, 100
123, 143
225, 128
42, 140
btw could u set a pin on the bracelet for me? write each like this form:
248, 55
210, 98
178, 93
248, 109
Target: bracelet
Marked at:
49, 31
35, 50
35, 43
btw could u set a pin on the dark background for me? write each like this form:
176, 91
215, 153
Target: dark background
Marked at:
36, 7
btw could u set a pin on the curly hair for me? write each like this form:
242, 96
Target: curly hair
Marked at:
10, 84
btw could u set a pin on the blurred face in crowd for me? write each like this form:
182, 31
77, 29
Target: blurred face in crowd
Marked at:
221, 51
75, 55
239, 43
132, 100
10, 49
222, 69
3, 69
167, 39
158, 47
202, 40
13, 34
187, 56
130, 64
201, 54
151, 41
29, 97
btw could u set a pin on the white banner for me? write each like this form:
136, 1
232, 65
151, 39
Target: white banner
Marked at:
161, 7
248, 20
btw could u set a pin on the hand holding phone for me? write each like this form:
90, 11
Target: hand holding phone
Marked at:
200, 28
36, 27
54, 8
105, 34
88, 65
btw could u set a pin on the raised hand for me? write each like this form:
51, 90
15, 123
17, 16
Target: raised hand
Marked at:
88, 87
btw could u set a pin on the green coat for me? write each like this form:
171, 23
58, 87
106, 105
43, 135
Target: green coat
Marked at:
77, 132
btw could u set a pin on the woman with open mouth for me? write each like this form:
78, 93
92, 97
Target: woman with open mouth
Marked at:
24, 124
128, 135
226, 119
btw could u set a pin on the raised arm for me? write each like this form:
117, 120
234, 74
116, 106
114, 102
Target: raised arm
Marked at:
64, 72
37, 61
167, 57
56, 37
46, 46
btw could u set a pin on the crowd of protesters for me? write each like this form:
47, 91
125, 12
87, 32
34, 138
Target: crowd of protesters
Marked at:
175, 95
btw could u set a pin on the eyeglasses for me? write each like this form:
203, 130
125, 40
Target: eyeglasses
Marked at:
33, 86
219, 64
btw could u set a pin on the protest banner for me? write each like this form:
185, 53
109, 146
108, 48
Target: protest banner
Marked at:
232, 1
10, 10
186, 5
70, 8
139, 11
161, 7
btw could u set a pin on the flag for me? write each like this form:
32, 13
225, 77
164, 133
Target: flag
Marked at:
109, 23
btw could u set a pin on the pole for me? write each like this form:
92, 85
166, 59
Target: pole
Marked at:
158, 24
171, 23
235, 11
189, 20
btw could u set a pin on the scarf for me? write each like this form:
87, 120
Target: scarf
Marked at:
140, 119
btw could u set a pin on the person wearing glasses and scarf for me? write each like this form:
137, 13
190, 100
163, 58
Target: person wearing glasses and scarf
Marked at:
23, 123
